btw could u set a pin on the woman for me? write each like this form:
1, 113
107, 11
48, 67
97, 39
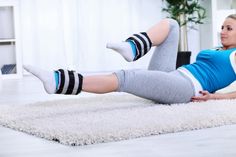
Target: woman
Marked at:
161, 82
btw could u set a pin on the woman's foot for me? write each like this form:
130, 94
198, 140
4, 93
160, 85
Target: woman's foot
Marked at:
134, 47
58, 82
126, 49
47, 77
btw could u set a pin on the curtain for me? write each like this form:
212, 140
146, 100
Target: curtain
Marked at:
73, 34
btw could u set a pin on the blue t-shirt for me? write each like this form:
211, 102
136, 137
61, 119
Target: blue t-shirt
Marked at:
213, 69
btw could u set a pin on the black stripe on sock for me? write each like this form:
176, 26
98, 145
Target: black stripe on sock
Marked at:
62, 81
80, 83
144, 43
71, 82
145, 34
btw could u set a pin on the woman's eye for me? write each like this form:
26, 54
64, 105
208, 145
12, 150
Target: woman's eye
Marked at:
229, 29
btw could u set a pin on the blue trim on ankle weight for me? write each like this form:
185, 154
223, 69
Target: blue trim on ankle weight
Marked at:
132, 47
56, 75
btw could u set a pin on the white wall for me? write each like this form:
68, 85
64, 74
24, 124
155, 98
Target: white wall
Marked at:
73, 33
194, 42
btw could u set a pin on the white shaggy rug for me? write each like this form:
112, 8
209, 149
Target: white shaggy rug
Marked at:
106, 118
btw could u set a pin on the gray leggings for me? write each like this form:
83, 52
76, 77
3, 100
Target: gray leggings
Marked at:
161, 82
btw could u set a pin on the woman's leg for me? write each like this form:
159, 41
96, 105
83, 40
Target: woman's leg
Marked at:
162, 87
159, 32
164, 35
70, 82
100, 83
139, 44
165, 54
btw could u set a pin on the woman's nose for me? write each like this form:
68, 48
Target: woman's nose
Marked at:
223, 31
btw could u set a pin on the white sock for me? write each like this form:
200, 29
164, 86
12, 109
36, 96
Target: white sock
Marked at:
47, 77
123, 48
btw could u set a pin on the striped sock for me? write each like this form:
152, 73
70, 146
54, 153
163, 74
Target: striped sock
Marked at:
142, 43
70, 82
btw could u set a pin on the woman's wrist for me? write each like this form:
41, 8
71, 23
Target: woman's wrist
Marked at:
219, 96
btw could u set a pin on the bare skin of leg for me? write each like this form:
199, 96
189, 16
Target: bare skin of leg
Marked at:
100, 83
109, 83
159, 32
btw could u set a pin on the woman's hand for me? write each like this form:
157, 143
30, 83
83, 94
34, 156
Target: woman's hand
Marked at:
204, 97
207, 96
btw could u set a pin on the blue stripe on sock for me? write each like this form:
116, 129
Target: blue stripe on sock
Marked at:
56, 74
133, 48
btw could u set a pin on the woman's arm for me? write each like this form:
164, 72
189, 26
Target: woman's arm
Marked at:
207, 96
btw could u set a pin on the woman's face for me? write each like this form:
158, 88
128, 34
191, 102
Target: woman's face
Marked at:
228, 33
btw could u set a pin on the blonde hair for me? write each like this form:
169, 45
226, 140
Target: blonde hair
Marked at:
232, 16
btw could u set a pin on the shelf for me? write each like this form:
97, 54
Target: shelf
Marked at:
7, 40
10, 48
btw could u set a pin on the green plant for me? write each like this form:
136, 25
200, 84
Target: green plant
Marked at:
184, 12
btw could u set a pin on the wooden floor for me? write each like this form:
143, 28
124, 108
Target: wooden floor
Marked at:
212, 142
